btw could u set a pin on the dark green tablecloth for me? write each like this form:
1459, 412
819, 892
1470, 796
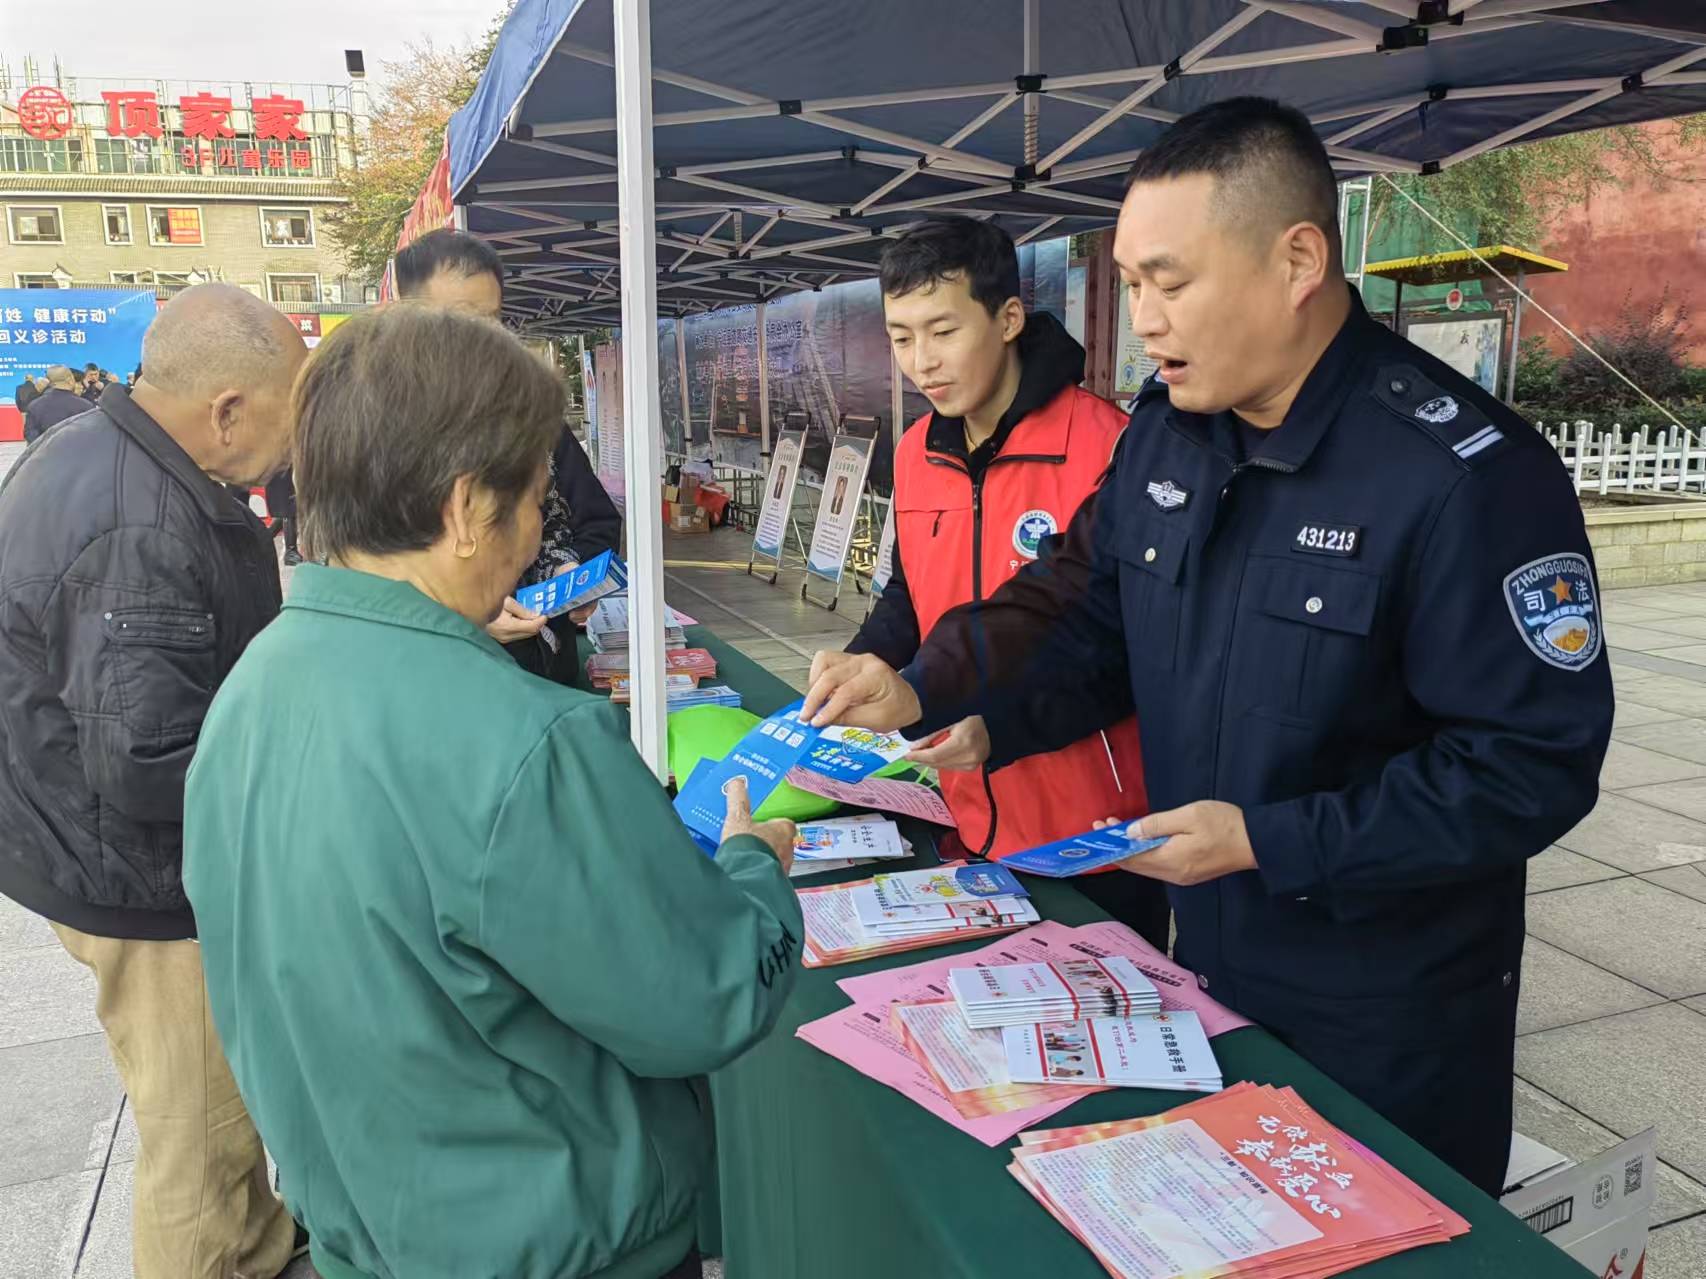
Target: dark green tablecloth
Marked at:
825, 1174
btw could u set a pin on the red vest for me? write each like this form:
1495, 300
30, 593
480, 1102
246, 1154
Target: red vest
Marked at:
957, 544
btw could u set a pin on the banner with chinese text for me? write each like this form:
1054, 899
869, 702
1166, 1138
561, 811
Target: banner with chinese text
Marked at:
73, 327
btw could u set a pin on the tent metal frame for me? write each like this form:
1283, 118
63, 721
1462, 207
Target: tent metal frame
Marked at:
581, 282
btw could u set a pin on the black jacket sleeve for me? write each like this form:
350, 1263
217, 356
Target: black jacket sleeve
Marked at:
595, 525
891, 631
1043, 658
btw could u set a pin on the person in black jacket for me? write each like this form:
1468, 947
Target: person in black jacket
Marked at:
453, 269
25, 392
130, 583
54, 405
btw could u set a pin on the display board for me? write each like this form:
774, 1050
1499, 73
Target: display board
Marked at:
838, 512
43, 327
1471, 344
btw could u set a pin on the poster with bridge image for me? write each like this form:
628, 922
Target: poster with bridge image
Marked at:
838, 507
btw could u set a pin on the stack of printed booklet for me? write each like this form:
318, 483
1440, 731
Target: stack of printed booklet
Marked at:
909, 910
1251, 1182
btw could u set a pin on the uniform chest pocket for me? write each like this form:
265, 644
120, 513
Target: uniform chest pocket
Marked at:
1152, 551
1310, 635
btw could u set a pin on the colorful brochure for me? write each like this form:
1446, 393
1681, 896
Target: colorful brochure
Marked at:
1161, 1050
604, 574
1080, 854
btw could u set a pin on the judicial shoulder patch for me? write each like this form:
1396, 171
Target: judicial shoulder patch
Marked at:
1553, 603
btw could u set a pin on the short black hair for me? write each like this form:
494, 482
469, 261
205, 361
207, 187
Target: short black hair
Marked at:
445, 250
91, 367
1268, 163
944, 247
396, 404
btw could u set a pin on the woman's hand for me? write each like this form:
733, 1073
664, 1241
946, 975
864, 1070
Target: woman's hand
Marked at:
779, 833
515, 623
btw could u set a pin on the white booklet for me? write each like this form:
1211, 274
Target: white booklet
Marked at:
1161, 1050
1067, 990
866, 835
984, 913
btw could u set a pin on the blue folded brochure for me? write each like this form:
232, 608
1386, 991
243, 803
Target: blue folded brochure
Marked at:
604, 574
1080, 854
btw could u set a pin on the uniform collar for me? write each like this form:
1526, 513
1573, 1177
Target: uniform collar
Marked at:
1318, 401
347, 592
213, 498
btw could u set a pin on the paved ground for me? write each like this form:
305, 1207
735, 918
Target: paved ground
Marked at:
1613, 1016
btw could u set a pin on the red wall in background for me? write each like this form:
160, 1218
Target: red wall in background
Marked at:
1630, 240
11, 421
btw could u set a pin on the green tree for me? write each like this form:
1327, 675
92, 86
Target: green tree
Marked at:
1509, 195
416, 98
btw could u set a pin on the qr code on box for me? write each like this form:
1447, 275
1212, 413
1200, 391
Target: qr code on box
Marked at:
1632, 1175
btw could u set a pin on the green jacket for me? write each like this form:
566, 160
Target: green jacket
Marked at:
461, 953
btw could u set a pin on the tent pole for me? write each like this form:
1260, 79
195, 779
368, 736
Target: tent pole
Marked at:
643, 456
1516, 336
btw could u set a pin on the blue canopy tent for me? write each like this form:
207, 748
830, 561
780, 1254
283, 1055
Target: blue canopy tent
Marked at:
630, 158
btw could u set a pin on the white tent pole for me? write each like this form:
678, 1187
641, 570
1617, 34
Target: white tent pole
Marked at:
643, 455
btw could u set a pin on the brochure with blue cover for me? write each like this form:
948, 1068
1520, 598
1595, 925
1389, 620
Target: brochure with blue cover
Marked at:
1080, 854
764, 757
604, 574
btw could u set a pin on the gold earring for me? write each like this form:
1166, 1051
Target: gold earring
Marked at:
473, 545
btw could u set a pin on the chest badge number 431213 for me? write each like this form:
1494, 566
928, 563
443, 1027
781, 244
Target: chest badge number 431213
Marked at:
1328, 539
1552, 601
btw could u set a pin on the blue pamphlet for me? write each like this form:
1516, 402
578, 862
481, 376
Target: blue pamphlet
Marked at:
765, 755
1080, 854
604, 574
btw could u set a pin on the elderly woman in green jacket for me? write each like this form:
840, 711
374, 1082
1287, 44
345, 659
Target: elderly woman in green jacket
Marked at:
463, 957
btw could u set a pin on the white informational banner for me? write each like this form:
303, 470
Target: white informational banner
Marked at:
1132, 363
609, 401
838, 509
773, 515
885, 557
589, 397
1470, 344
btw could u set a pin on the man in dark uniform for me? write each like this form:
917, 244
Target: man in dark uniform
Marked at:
1351, 598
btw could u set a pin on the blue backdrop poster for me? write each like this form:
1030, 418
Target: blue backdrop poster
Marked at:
74, 327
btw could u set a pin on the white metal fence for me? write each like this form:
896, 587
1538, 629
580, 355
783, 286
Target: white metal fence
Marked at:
1619, 459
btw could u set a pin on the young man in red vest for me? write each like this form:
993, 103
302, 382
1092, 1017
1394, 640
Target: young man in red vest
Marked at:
982, 483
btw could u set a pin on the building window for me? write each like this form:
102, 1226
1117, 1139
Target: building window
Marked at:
293, 290
170, 282
35, 224
283, 228
128, 277
31, 155
34, 280
173, 224
126, 155
117, 219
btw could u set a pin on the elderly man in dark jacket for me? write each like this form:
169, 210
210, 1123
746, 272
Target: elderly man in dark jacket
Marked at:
56, 404
130, 581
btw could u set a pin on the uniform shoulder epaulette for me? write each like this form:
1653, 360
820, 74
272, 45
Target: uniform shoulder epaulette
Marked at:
1454, 421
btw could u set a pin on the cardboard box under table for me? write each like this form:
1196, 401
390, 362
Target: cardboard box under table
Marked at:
827, 1174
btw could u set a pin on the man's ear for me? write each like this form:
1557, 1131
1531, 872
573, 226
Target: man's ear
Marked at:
226, 411
1012, 317
1308, 261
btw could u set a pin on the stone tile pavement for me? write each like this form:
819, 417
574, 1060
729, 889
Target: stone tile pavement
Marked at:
1612, 1021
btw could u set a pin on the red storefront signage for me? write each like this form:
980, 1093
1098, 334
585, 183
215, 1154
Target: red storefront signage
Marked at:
46, 113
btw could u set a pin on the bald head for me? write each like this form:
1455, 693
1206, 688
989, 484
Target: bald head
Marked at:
218, 367
214, 337
62, 377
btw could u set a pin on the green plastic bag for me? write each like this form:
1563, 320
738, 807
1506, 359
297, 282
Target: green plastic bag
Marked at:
711, 732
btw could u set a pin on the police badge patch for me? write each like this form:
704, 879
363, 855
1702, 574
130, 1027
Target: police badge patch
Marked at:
1167, 495
1441, 409
1552, 602
1032, 527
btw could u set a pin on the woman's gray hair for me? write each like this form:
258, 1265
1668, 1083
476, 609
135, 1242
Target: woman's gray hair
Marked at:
395, 405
